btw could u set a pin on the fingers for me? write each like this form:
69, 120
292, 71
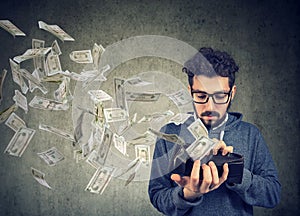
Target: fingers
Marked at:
179, 180
194, 183
224, 176
215, 175
222, 146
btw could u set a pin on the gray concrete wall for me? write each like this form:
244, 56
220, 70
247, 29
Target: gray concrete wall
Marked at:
260, 35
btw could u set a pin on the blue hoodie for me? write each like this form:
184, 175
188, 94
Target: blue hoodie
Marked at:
259, 187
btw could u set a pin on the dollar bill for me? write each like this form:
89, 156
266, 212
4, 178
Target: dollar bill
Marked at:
39, 62
98, 75
99, 96
82, 56
2, 78
61, 93
100, 180
120, 95
19, 142
147, 138
97, 52
181, 97
11, 28
17, 78
200, 148
57, 78
119, 172
78, 133
56, 31
120, 143
132, 176
21, 100
143, 96
53, 65
174, 138
89, 146
115, 114
180, 118
94, 159
51, 156
55, 49
77, 155
56, 131
33, 80
39, 177
47, 104
105, 145
198, 129
31, 85
99, 111
4, 114
156, 116
143, 152
31, 53
137, 81
15, 122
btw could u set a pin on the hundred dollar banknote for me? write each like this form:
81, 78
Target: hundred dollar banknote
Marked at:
174, 138
17, 78
56, 131
97, 52
82, 56
39, 62
115, 114
21, 100
55, 49
15, 122
11, 28
100, 180
181, 97
39, 177
2, 78
19, 142
99, 96
51, 156
4, 114
24, 73
47, 104
53, 65
56, 31
143, 96
198, 129
31, 53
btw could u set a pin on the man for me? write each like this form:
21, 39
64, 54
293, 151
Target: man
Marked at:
211, 76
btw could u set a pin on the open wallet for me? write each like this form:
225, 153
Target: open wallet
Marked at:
235, 165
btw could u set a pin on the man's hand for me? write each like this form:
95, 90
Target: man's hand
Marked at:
193, 187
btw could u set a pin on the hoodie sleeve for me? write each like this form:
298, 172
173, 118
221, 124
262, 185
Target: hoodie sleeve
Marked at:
260, 185
165, 195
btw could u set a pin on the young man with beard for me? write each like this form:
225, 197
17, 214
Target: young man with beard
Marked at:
173, 192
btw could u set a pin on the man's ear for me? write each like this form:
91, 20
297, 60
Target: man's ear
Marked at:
233, 92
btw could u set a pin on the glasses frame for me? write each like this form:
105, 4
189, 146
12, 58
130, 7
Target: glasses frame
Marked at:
211, 95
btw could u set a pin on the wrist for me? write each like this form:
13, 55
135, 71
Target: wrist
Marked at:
190, 195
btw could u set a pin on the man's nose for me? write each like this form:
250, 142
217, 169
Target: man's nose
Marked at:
210, 104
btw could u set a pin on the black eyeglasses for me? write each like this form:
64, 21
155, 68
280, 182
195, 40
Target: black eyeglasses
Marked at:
201, 97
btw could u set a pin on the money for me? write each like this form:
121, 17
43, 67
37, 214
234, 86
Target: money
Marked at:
2, 78
198, 129
120, 143
143, 152
82, 56
130, 166
144, 97
53, 65
179, 118
137, 81
156, 116
78, 129
51, 156
11, 28
47, 104
100, 180
105, 145
200, 148
19, 142
168, 137
55, 78
17, 78
97, 52
120, 93
99, 111
4, 115
181, 97
39, 62
77, 155
98, 75
56, 31
132, 176
15, 122
94, 159
60, 94
146, 139
31, 53
39, 177
115, 114
74, 76
55, 49
33, 80
57, 132
99, 96
21, 100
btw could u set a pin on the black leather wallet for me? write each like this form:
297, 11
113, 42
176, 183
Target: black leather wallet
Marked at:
235, 165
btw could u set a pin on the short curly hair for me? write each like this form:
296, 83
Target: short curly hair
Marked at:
211, 63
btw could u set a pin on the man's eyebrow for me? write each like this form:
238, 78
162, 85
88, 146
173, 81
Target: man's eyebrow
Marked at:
199, 91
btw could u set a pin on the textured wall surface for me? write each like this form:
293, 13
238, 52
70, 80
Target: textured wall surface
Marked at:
260, 35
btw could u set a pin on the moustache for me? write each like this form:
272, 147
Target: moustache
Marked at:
210, 113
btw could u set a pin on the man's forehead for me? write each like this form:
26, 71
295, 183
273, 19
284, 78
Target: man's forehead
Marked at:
211, 84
